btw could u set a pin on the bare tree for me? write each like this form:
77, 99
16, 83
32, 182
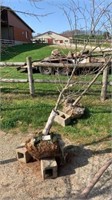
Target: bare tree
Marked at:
93, 19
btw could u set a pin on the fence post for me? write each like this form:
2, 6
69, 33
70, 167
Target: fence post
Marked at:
30, 75
104, 84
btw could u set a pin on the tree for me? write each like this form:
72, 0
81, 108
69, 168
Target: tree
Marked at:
92, 16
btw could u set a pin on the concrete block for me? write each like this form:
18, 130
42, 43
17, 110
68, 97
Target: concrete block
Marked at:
63, 118
49, 168
22, 154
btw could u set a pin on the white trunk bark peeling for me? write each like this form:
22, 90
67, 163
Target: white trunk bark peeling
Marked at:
49, 122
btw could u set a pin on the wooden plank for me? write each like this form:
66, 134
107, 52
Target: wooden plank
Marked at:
4, 80
11, 64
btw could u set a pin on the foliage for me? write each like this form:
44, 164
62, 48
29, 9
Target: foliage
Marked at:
85, 36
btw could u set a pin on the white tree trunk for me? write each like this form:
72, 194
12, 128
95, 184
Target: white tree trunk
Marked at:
49, 122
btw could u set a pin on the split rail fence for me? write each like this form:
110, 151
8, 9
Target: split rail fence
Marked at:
31, 81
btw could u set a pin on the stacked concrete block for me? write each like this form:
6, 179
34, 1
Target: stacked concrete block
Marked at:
63, 118
22, 154
49, 168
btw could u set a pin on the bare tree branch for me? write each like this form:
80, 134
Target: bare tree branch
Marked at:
87, 190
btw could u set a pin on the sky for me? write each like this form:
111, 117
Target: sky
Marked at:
54, 18
55, 21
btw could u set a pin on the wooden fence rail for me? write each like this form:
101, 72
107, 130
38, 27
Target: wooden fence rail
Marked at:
31, 81
5, 80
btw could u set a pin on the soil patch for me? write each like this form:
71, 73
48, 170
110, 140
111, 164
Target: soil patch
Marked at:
19, 181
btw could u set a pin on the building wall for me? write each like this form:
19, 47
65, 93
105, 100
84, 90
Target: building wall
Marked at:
53, 38
22, 35
4, 33
21, 31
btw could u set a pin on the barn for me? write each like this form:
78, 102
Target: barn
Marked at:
13, 29
51, 37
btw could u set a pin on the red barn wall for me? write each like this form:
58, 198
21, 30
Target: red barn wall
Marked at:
21, 31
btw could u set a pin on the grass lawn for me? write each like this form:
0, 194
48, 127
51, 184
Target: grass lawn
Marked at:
22, 113
36, 51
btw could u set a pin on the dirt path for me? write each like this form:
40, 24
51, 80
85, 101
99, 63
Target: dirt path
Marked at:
23, 181
90, 47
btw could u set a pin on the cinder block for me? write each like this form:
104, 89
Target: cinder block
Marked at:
49, 168
22, 154
62, 119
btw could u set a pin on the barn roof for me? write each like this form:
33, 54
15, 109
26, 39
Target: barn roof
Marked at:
50, 32
14, 12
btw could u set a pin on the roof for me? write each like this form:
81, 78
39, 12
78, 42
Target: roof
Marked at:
8, 8
49, 33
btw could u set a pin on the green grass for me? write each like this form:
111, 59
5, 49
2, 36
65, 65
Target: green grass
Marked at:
20, 52
21, 112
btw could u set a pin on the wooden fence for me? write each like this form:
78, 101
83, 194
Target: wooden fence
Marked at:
90, 41
31, 81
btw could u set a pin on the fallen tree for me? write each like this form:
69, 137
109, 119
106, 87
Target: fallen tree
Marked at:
54, 112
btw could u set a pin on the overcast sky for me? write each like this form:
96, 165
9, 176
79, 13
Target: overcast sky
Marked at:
56, 21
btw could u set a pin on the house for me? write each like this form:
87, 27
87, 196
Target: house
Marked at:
13, 29
51, 38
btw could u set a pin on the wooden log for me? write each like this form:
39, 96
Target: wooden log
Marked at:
79, 65
64, 82
11, 64
104, 84
30, 76
4, 80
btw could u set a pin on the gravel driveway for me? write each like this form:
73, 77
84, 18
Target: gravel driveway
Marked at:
19, 181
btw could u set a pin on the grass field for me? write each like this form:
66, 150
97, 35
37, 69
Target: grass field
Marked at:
36, 51
22, 113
